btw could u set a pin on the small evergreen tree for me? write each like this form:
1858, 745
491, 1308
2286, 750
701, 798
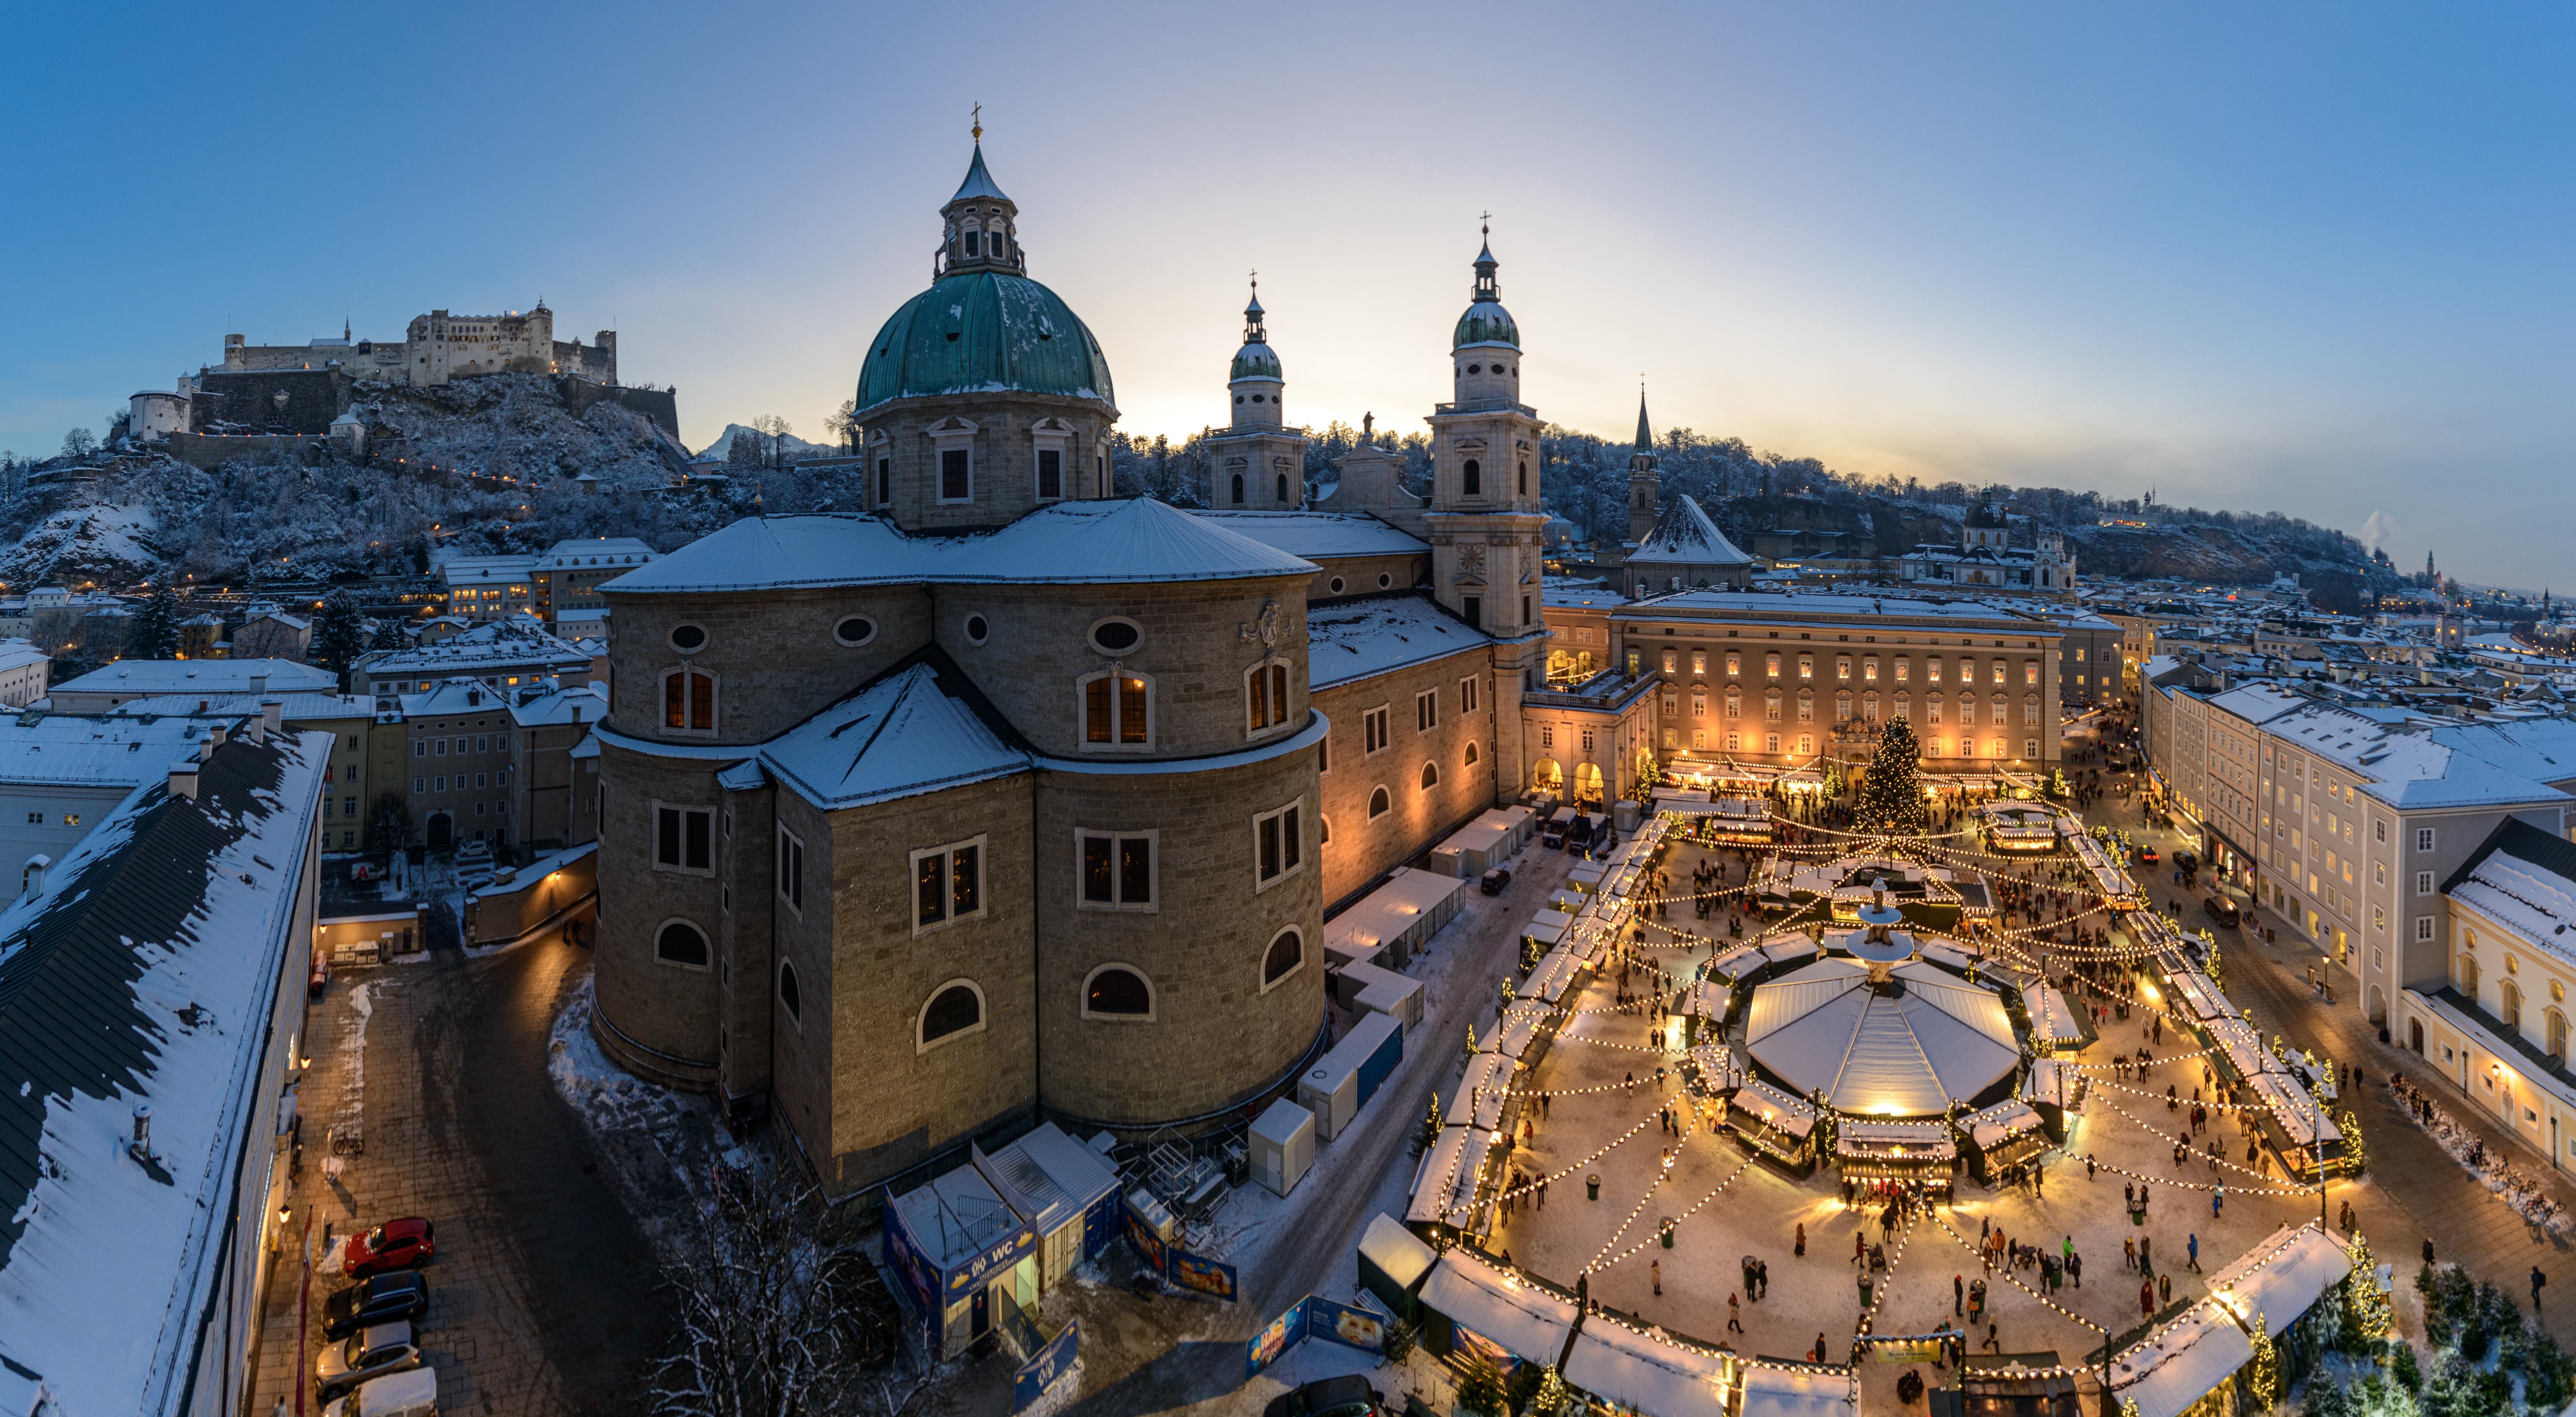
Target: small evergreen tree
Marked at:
2263, 1375
155, 632
1891, 796
1431, 1125
2367, 1314
1650, 774
337, 637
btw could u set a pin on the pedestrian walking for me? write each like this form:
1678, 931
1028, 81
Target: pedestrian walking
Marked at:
1958, 1294
1542, 1193
2164, 1288
2428, 1252
2537, 1279
1801, 1251
2075, 1270
2146, 1260
2218, 1207
2129, 1252
1655, 1271
2088, 1166
1734, 1324
2147, 1297
2192, 1244
1860, 1247
1762, 1278
1991, 1340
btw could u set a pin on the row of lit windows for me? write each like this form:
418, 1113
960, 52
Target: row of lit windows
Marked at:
1773, 664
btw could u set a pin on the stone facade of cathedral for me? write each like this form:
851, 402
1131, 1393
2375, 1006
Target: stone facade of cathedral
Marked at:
1011, 796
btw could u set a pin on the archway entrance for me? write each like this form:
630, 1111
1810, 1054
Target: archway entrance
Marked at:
2378, 1005
442, 831
1547, 777
2415, 1035
1587, 784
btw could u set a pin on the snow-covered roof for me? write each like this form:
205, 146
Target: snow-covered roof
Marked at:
595, 551
2181, 1362
1354, 639
145, 972
202, 676
1316, 535
2257, 703
2282, 1276
1092, 542
500, 644
908, 733
455, 696
1766, 605
2523, 879
1911, 1054
2414, 768
1526, 1320
300, 707
559, 707
1581, 597
108, 751
1684, 536
1643, 1374
486, 570
1786, 1392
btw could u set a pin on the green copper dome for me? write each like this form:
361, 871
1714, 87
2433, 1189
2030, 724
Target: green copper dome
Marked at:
1254, 361
983, 331
1486, 322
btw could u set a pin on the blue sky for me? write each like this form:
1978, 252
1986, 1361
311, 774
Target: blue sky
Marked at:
2306, 259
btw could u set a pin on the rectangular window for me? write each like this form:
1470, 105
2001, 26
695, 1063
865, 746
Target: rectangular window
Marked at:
1466, 696
1472, 610
439, 783
684, 839
420, 748
1373, 723
1670, 657
2379, 830
2423, 838
1266, 696
947, 884
1050, 474
1699, 661
791, 869
441, 745
482, 745
420, 784
1117, 870
956, 484
2423, 883
2424, 928
1277, 847
885, 482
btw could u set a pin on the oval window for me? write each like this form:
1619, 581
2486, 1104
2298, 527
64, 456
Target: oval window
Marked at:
1336, 586
856, 630
1384, 580
688, 639
1475, 368
1115, 636
976, 630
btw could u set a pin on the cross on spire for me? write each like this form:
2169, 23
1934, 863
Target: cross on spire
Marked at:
978, 129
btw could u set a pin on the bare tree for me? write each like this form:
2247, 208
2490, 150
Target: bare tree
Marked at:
776, 430
844, 424
779, 1312
79, 443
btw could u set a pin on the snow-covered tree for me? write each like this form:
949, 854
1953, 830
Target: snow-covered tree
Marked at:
338, 635
155, 631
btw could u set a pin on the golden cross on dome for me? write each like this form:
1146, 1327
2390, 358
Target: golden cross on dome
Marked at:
979, 122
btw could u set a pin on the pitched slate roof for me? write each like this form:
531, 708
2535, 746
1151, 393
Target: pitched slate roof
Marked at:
1685, 536
2524, 878
919, 727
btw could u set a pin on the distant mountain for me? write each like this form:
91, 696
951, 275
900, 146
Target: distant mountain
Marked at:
722, 448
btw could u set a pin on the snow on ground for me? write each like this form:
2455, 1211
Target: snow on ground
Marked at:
635, 1118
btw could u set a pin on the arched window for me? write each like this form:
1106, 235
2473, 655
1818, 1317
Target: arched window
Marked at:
1323, 831
789, 997
1117, 711
956, 1008
1283, 957
1471, 479
688, 701
1430, 776
2557, 1034
2510, 995
1283, 489
1378, 804
1265, 695
1471, 755
1115, 991
681, 943
1524, 477
1238, 489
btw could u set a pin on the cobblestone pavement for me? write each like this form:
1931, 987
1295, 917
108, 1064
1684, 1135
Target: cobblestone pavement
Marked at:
542, 1294
2466, 1222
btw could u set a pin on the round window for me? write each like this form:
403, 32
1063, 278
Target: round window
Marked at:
976, 629
688, 639
856, 630
1384, 580
1238, 398
1115, 636
1475, 368
1256, 398
1337, 585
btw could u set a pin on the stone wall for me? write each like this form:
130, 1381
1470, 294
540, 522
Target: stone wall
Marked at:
247, 400
774, 655
1002, 432
662, 406
1364, 847
659, 1018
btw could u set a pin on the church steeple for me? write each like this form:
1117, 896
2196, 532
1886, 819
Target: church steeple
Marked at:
980, 229
1645, 478
1255, 382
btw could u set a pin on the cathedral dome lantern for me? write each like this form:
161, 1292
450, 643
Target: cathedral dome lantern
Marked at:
1254, 382
1485, 349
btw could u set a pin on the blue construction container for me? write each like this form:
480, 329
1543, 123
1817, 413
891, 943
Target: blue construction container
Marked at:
1374, 1045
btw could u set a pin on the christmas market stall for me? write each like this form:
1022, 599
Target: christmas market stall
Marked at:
1475, 1309
2018, 828
1875, 1156
2181, 1362
1639, 1374
2002, 1138
2108, 880
2056, 1092
1449, 1195
1771, 1123
2010, 1385
1772, 1389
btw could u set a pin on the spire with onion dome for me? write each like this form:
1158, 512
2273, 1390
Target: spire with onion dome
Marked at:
980, 224
1255, 383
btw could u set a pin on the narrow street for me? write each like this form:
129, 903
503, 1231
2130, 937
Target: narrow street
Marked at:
2437, 1197
542, 1294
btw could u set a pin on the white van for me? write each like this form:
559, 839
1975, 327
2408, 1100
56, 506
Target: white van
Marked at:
412, 1394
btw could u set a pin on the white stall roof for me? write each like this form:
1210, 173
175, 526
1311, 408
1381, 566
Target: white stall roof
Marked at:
1548, 926
2302, 1265
1783, 1392
2195, 1353
1523, 1318
1636, 1371
1823, 1029
1391, 912
1396, 1251
1481, 1091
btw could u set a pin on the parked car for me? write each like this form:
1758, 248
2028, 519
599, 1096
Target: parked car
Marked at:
1347, 1396
2188, 862
365, 871
1493, 881
2147, 856
2224, 911
396, 1244
368, 1353
413, 1393
395, 1294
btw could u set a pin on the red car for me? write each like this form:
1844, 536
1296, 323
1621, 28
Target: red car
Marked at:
396, 1244
2147, 855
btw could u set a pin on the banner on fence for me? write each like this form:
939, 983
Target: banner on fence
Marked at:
1200, 1274
1345, 1325
1275, 1339
1052, 1362
1149, 1246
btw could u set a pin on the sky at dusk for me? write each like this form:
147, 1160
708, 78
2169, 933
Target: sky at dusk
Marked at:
2314, 260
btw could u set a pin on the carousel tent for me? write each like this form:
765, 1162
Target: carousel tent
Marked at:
1904, 1052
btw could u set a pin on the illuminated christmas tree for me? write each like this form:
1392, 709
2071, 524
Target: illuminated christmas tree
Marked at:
2263, 1375
1891, 796
2366, 1310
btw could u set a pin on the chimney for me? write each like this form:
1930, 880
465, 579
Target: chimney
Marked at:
259, 683
272, 714
141, 1146
183, 779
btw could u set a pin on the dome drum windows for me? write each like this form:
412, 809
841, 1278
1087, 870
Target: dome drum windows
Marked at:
954, 1010
1117, 709
952, 442
1118, 993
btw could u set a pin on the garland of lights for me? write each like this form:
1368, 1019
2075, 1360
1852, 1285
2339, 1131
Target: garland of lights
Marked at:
1605, 1259
2171, 1139
2005, 1270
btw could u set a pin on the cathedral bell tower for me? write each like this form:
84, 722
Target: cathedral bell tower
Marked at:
1645, 480
1260, 463
1486, 524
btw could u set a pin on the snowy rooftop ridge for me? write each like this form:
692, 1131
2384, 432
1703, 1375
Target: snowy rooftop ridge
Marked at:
2523, 879
200, 676
1067, 543
1312, 534
147, 970
1685, 536
79, 750
1355, 639
906, 734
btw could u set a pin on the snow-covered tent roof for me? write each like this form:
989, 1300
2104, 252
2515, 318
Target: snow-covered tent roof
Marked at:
911, 731
2282, 1276
145, 972
1910, 1053
1684, 536
1784, 1392
1647, 1374
2179, 1365
1529, 1321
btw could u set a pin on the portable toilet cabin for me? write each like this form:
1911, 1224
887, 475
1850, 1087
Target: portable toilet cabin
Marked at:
1393, 1264
955, 1241
1064, 1190
1330, 1090
1283, 1146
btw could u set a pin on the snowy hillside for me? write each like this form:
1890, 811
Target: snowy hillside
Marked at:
722, 448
